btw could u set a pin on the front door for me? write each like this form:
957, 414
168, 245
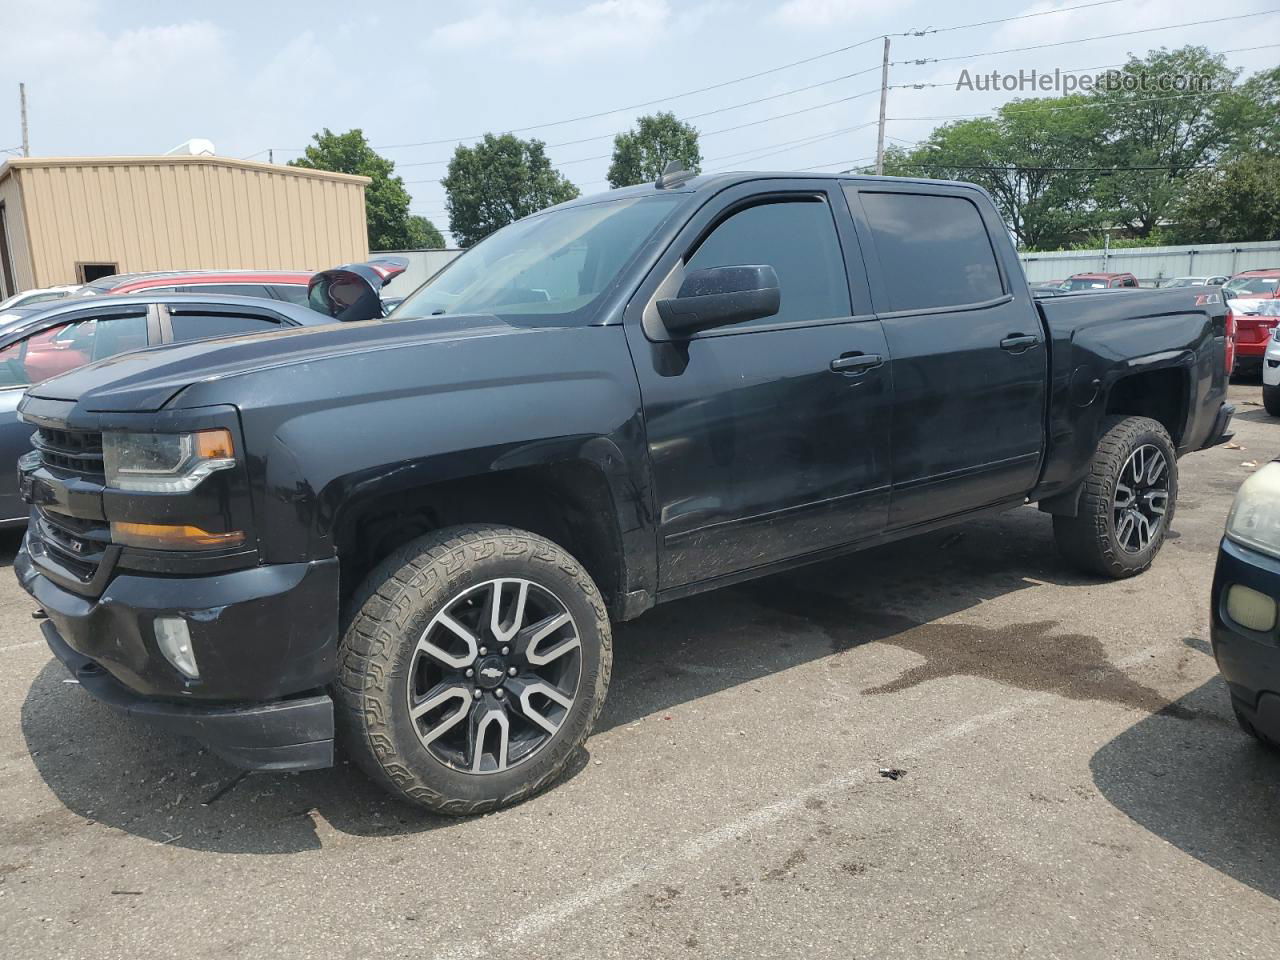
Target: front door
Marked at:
768, 439
969, 362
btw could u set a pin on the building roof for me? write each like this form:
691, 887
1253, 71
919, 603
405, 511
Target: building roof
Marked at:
29, 163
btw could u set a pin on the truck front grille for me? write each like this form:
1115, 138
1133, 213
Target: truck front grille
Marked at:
76, 452
76, 544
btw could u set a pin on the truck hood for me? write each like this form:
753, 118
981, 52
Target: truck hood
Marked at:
146, 380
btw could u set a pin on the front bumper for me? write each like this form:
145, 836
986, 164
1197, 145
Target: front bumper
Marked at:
282, 735
1248, 660
264, 639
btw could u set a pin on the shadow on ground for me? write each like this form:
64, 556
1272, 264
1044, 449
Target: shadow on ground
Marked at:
114, 771
1206, 788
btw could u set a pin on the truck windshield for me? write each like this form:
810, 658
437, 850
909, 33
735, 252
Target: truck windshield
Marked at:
550, 265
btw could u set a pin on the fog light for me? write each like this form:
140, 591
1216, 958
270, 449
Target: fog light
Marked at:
174, 640
1251, 609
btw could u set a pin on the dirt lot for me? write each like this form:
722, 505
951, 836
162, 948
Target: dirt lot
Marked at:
1074, 785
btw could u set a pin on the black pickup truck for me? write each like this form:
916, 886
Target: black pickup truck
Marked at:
415, 531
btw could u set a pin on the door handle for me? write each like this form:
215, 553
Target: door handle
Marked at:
1019, 343
855, 363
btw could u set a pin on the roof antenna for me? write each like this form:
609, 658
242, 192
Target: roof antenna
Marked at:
673, 175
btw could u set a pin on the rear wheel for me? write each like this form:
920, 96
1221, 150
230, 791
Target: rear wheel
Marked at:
1127, 503
475, 663
1271, 399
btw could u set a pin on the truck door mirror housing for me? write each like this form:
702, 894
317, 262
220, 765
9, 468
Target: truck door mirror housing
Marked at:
720, 296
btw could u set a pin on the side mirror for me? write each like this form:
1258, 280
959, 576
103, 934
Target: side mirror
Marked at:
721, 296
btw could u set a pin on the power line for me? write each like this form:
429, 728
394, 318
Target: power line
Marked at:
900, 86
1067, 106
740, 126
1022, 168
742, 79
1075, 70
804, 60
638, 106
986, 23
1101, 36
686, 119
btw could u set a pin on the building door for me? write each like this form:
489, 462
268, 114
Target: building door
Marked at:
7, 287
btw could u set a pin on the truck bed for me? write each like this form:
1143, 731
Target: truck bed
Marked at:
1094, 339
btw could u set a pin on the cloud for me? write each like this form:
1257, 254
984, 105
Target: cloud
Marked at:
821, 13
598, 29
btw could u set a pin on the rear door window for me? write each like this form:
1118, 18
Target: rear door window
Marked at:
934, 250
196, 323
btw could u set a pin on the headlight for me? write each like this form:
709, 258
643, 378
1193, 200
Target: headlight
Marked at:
1255, 515
165, 462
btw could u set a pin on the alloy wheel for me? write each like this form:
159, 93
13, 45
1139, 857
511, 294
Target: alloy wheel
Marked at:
1141, 498
494, 675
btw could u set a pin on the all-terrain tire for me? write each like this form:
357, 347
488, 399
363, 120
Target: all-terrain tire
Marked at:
1088, 540
1271, 399
383, 623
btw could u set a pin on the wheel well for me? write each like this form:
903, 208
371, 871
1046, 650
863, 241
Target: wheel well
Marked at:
568, 503
1158, 394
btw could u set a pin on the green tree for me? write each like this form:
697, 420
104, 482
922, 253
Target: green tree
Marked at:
423, 234
1260, 112
640, 155
1032, 157
497, 181
386, 200
1154, 139
1238, 201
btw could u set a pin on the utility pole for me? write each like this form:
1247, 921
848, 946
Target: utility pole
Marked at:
884, 96
22, 103
271, 156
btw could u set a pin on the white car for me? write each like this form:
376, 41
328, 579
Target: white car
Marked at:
1271, 374
1194, 282
29, 298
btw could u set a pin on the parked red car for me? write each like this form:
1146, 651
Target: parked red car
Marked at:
287, 285
1247, 294
1254, 284
1098, 281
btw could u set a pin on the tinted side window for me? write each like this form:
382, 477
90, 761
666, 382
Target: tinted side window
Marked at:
195, 325
290, 292
61, 349
235, 289
934, 251
798, 239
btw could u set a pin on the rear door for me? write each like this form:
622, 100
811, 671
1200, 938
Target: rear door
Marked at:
760, 449
969, 362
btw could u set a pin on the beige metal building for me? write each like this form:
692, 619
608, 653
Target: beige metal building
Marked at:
71, 220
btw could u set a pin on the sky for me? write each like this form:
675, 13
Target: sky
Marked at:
117, 78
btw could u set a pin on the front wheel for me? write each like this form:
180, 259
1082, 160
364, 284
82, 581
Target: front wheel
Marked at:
475, 663
1271, 399
1127, 503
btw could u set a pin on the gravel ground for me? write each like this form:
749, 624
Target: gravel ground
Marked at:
1074, 785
